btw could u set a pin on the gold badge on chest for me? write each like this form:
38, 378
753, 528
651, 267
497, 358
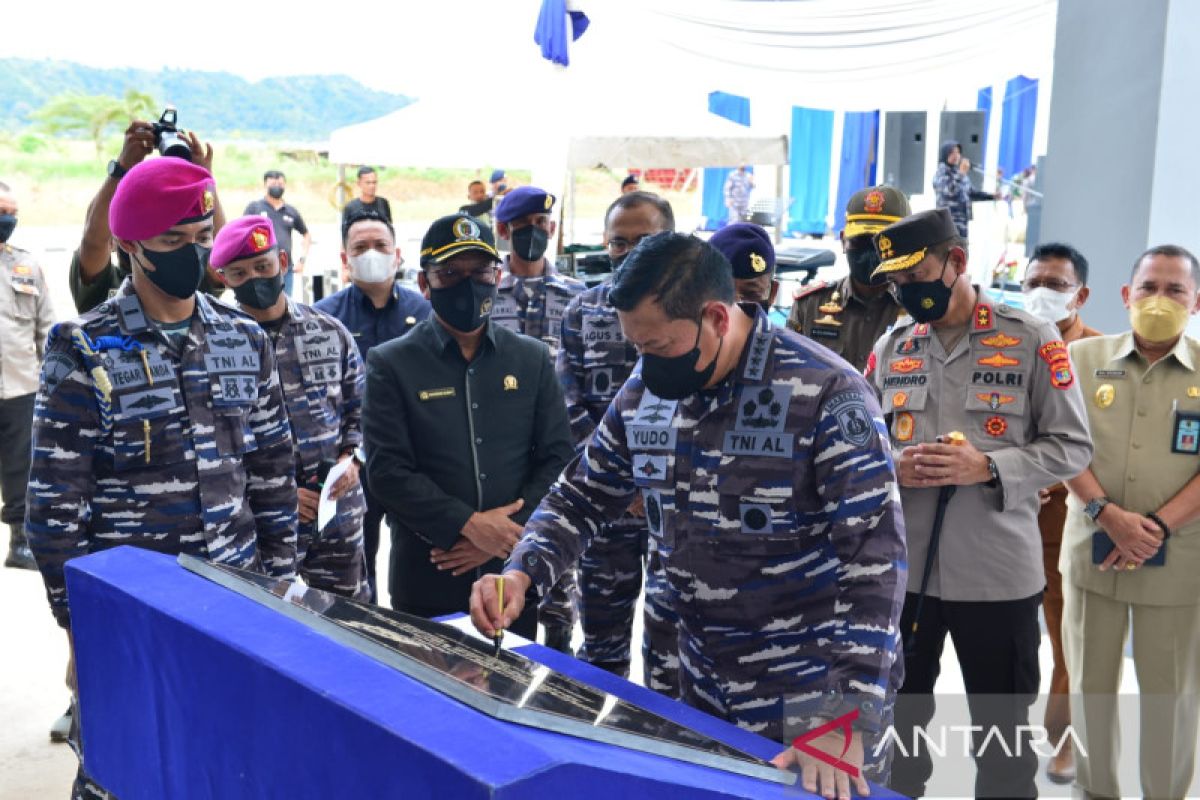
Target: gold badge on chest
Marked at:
1105, 395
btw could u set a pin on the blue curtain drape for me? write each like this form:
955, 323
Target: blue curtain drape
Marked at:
984, 104
712, 203
811, 148
857, 169
1016, 126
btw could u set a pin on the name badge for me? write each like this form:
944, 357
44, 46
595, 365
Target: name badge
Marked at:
318, 347
599, 330
126, 370
436, 394
1186, 436
747, 443
646, 437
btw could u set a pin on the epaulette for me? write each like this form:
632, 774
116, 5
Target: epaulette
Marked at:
806, 290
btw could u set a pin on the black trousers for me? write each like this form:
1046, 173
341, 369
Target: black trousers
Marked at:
997, 647
16, 434
371, 526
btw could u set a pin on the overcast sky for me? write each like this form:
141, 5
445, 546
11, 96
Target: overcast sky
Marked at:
401, 46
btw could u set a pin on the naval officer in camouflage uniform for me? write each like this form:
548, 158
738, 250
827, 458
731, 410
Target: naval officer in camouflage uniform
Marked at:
159, 421
749, 251
1001, 377
531, 299
593, 364
768, 486
850, 315
322, 379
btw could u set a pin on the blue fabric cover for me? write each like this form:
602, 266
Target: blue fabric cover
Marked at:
189, 690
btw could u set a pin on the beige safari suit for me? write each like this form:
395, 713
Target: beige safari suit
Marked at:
1132, 408
1005, 396
26, 317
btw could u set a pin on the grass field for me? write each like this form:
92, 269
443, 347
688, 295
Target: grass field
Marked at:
55, 179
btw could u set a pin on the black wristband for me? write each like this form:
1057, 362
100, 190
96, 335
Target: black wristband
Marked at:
1161, 525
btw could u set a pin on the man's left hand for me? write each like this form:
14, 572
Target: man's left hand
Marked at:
460, 559
347, 482
202, 154
949, 465
814, 773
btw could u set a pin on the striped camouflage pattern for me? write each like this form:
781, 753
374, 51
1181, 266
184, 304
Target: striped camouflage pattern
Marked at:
773, 501
195, 457
323, 382
535, 307
593, 363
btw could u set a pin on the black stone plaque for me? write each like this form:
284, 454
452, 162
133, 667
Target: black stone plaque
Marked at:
508, 686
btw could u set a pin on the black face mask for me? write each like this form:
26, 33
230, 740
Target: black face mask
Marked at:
676, 378
464, 306
862, 263
177, 272
530, 242
927, 301
275, 192
8, 223
260, 293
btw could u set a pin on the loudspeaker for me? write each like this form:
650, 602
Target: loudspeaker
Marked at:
904, 151
968, 129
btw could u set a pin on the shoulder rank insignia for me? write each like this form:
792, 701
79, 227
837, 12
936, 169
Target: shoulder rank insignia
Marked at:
805, 291
921, 329
983, 317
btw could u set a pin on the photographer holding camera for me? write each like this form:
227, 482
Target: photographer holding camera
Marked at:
94, 277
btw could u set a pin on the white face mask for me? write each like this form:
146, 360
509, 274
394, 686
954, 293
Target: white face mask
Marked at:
373, 267
1047, 304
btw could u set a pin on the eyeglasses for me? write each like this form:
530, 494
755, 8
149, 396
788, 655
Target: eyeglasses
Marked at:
619, 246
452, 276
1053, 284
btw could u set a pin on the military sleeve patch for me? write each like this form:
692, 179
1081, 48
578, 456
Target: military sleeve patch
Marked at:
1055, 355
852, 416
55, 369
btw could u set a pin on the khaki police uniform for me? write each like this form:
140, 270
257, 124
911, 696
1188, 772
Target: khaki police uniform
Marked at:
1001, 388
848, 323
1145, 421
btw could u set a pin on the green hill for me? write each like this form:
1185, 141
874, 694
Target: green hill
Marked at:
302, 107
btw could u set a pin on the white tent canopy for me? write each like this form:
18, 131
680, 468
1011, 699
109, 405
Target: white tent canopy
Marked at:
448, 133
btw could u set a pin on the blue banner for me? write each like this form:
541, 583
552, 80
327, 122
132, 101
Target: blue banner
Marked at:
712, 204
811, 151
860, 138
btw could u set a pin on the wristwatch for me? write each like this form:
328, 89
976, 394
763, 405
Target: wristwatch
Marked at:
1094, 506
994, 471
115, 170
